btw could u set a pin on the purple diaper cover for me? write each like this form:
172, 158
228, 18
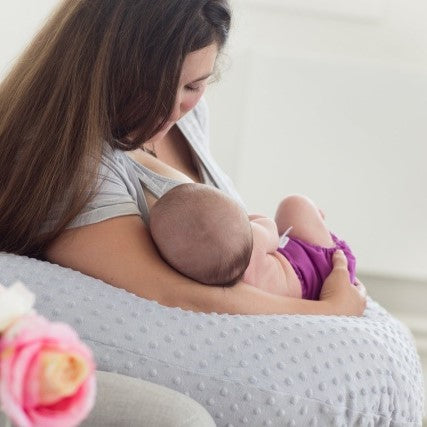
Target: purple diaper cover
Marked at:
313, 263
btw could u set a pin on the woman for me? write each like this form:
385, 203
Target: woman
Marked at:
88, 115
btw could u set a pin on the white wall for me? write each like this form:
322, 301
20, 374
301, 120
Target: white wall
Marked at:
329, 99
19, 20
322, 97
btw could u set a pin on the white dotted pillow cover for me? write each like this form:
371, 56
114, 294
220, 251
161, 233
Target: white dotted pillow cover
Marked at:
246, 370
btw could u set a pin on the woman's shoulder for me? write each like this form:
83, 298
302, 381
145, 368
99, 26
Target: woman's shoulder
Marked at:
112, 158
114, 194
115, 166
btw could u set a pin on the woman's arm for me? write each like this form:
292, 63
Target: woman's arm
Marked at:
120, 251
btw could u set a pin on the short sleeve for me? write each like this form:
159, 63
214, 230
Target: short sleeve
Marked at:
115, 196
112, 199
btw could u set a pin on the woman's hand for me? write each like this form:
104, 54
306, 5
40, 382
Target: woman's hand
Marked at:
338, 294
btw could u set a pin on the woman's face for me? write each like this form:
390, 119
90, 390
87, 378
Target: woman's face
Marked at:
198, 66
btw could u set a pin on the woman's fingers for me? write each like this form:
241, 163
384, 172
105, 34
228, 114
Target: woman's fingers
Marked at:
339, 260
339, 278
338, 293
360, 287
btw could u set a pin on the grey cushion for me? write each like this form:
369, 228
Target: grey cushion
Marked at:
130, 402
251, 370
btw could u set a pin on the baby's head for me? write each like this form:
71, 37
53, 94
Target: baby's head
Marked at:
202, 233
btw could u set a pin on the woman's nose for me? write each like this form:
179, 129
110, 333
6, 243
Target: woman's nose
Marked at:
176, 112
183, 105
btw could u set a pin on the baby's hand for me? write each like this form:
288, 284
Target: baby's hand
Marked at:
255, 216
265, 234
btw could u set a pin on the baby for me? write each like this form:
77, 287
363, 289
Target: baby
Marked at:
207, 236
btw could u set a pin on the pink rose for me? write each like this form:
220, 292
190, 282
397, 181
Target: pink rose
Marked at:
46, 374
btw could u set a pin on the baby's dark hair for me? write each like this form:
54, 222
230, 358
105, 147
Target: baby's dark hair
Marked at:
202, 233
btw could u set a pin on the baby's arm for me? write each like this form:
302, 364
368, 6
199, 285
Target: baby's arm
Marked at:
265, 271
266, 236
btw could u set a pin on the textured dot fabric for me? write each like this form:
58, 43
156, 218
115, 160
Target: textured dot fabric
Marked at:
245, 370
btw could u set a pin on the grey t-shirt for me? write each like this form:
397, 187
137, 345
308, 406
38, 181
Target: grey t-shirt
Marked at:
121, 178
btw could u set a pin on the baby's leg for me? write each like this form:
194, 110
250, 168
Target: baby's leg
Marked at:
306, 220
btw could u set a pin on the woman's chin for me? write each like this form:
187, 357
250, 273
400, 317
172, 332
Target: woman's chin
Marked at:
161, 134
158, 136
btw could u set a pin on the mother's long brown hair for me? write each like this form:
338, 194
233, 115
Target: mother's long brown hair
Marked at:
96, 72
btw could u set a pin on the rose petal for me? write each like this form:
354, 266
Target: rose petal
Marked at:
28, 338
68, 412
15, 301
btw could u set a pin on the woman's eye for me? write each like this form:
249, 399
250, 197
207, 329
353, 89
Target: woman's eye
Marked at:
193, 88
